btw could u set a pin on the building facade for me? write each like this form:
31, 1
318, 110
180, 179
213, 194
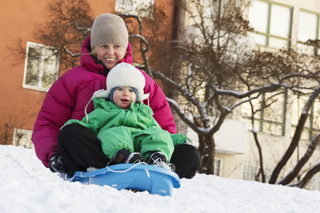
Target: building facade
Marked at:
24, 84
277, 24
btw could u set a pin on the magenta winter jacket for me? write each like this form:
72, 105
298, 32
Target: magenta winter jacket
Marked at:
68, 96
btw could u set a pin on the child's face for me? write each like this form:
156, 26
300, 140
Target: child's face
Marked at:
123, 96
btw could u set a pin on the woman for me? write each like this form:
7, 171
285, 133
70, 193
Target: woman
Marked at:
76, 148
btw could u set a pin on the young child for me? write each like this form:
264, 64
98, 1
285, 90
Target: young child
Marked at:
124, 125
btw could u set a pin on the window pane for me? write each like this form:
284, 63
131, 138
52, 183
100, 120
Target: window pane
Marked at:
126, 5
49, 68
280, 21
278, 43
217, 167
297, 106
305, 133
219, 6
210, 9
305, 49
259, 39
22, 137
143, 3
275, 112
246, 108
307, 26
250, 172
272, 128
135, 6
32, 66
258, 16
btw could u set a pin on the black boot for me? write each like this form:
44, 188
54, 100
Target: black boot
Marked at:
125, 156
159, 159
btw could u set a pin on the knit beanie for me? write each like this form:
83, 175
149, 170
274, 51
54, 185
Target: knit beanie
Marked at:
124, 74
109, 28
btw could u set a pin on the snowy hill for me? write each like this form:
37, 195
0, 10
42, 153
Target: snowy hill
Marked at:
28, 187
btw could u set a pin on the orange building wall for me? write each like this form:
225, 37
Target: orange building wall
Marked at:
18, 19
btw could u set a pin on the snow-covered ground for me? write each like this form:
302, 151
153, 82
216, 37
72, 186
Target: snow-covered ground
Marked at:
26, 186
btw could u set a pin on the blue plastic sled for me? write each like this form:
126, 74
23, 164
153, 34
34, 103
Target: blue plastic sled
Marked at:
137, 177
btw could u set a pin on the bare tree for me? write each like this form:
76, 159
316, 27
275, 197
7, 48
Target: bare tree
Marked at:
214, 71
210, 76
67, 24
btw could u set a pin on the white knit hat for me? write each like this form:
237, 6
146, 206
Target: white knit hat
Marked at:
124, 74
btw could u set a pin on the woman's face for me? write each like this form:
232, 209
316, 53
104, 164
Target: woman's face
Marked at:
110, 54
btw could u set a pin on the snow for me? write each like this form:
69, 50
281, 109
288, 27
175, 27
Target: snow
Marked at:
28, 187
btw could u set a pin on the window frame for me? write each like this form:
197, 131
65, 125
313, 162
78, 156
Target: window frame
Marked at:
262, 121
316, 50
268, 35
40, 72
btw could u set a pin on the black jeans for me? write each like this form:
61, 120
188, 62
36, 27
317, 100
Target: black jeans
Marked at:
81, 149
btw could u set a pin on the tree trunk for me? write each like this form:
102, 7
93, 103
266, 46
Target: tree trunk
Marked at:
203, 152
261, 170
207, 154
294, 172
296, 137
290, 150
306, 179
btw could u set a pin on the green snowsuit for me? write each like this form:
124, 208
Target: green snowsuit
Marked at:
134, 129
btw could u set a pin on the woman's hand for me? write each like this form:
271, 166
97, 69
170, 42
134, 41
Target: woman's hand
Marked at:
57, 164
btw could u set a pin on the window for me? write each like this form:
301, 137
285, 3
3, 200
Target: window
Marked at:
218, 166
141, 7
220, 7
270, 119
308, 30
41, 68
250, 172
271, 23
312, 125
22, 137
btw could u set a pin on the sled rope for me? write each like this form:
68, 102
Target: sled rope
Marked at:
129, 168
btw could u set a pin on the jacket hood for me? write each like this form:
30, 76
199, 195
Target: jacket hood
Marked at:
88, 61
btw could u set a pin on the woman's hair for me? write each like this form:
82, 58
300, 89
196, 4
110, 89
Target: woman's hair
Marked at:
94, 51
